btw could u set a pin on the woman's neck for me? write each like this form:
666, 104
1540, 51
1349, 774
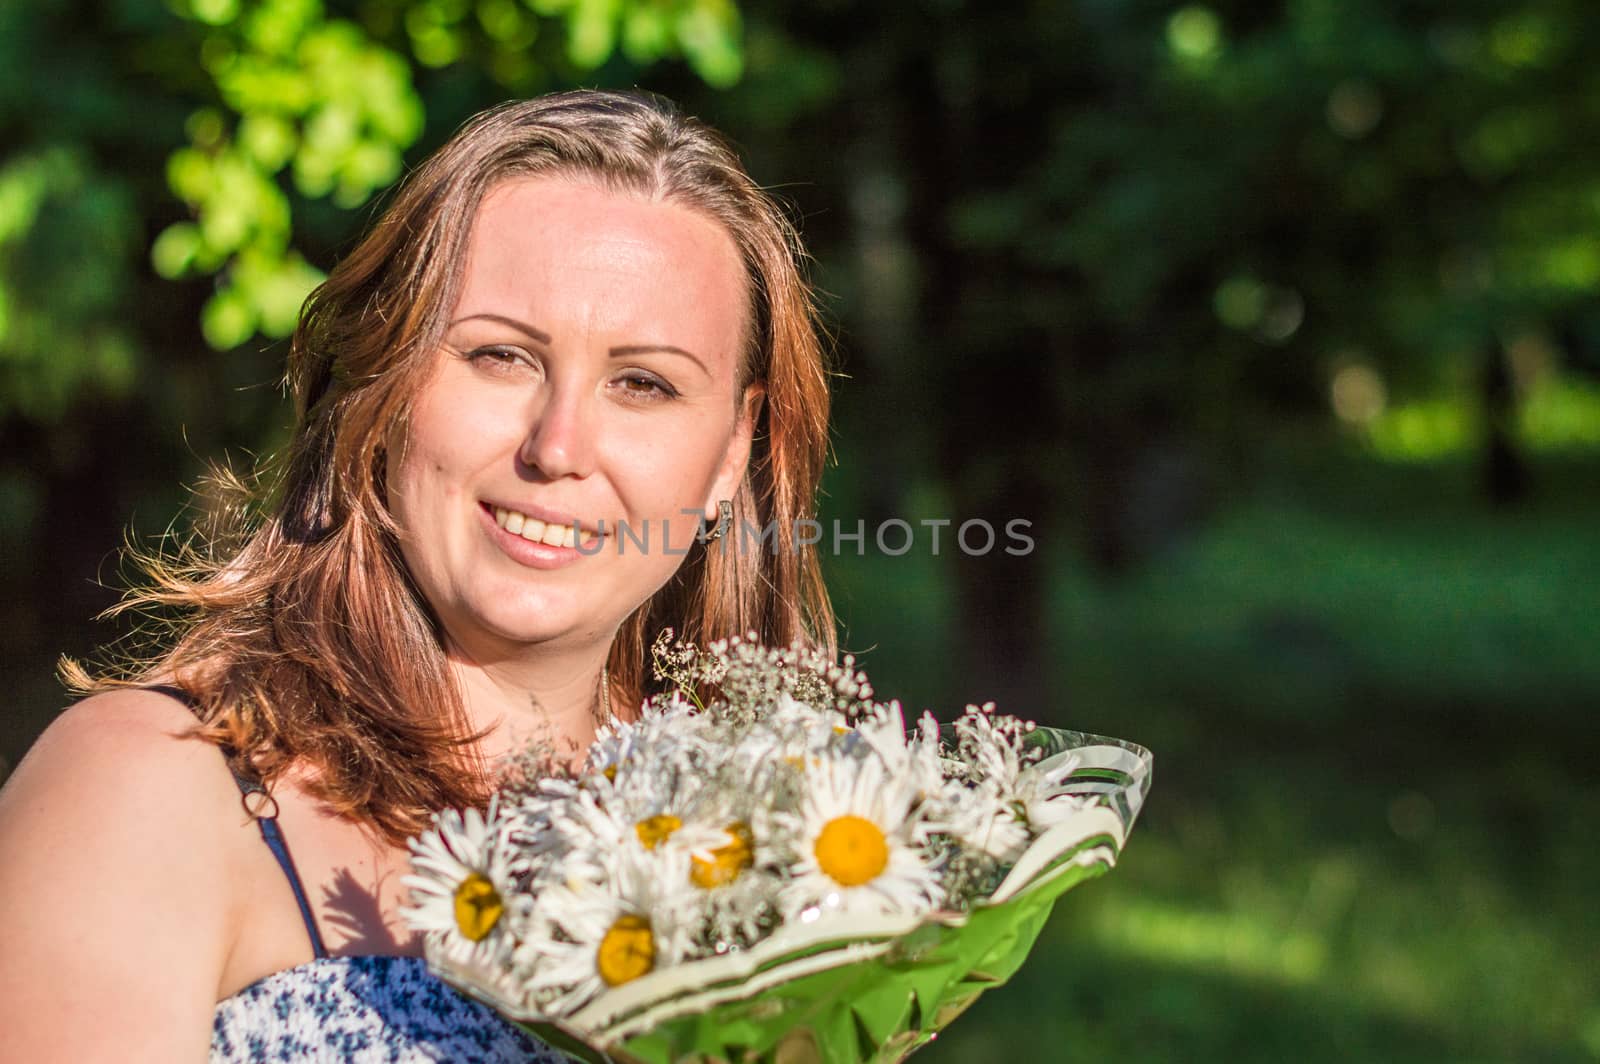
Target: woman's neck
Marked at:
554, 700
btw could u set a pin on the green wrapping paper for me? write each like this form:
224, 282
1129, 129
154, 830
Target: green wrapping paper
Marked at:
856, 990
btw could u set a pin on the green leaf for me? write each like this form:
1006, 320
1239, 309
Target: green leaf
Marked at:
276, 26
189, 174
504, 22
709, 33
281, 294
314, 173
115, 364
334, 128
206, 128
372, 165
268, 139
646, 33
227, 320
592, 32
214, 12
174, 250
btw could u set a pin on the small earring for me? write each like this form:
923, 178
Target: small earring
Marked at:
724, 519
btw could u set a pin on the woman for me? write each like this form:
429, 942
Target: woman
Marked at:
580, 314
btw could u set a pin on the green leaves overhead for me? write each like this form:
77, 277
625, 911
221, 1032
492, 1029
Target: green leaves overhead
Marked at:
299, 92
319, 107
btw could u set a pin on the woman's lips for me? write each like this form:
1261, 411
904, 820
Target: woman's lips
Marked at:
537, 552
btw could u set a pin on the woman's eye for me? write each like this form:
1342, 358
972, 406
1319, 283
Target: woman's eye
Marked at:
645, 387
496, 357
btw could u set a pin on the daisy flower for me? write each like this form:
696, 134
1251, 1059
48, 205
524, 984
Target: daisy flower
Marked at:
856, 842
985, 818
663, 730
736, 887
985, 807
992, 745
653, 801
588, 937
464, 894
912, 757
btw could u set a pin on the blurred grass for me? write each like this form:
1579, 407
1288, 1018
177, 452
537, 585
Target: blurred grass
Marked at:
1371, 834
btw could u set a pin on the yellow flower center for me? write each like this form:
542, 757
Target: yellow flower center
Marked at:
852, 850
478, 907
610, 773
627, 951
655, 830
726, 861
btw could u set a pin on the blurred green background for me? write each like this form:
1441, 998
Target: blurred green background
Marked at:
1277, 320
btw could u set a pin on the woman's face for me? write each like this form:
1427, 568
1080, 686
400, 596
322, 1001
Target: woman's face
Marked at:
588, 374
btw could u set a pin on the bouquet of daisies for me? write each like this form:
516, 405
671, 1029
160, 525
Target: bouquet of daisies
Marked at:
767, 865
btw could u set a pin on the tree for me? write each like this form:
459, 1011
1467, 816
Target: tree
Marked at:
230, 146
1087, 254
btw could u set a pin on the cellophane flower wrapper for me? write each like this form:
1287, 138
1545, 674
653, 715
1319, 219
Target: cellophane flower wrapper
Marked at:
835, 985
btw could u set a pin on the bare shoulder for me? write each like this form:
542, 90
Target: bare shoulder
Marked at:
113, 759
116, 719
114, 841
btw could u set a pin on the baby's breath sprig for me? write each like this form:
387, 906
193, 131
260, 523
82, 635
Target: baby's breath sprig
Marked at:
990, 744
682, 664
749, 677
517, 773
755, 675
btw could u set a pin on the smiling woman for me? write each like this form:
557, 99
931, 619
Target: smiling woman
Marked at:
633, 386
580, 321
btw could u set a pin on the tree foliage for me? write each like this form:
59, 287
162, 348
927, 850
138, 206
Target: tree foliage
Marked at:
1090, 257
256, 112
333, 103
178, 175
1082, 255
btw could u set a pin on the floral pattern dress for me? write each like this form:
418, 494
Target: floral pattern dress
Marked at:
362, 1010
365, 1010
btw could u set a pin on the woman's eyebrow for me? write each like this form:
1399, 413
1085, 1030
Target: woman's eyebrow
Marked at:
645, 349
520, 326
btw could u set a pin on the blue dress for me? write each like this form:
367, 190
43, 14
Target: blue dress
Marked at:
365, 1010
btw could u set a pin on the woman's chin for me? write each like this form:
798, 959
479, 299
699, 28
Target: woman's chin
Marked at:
543, 632
541, 623
540, 612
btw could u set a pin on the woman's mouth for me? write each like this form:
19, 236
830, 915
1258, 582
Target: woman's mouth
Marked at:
558, 535
534, 530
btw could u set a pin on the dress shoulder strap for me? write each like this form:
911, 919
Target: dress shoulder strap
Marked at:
260, 805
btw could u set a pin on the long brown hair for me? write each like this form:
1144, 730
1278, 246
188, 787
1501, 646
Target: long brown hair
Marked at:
294, 623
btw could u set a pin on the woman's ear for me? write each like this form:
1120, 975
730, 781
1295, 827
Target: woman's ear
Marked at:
737, 457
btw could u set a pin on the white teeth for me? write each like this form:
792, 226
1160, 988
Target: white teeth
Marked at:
534, 530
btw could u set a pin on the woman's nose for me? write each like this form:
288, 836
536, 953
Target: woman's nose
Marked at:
560, 442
